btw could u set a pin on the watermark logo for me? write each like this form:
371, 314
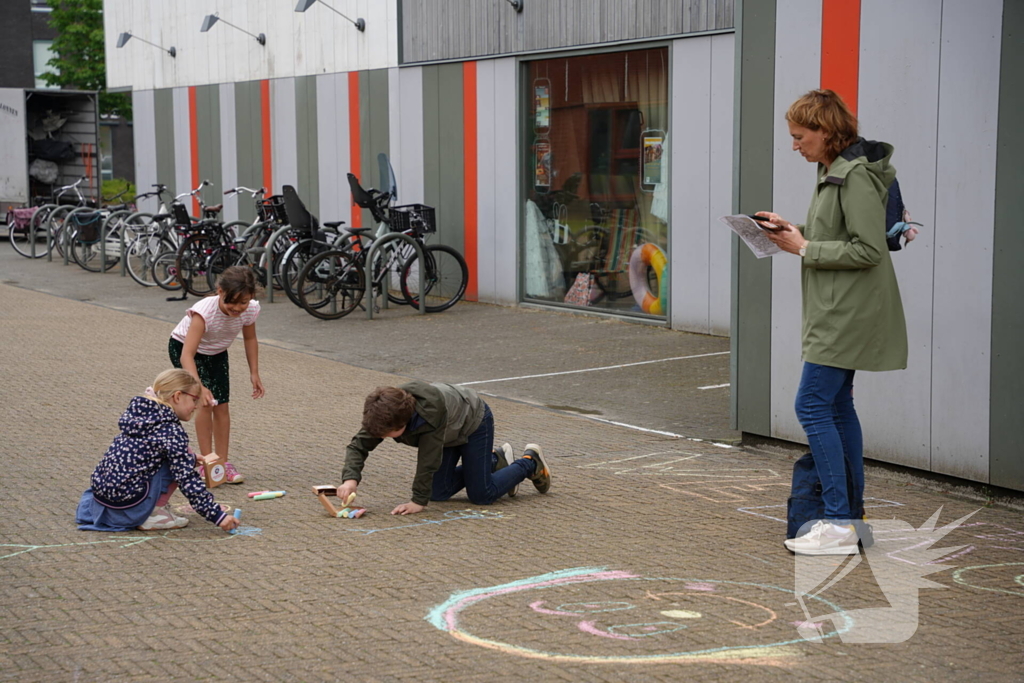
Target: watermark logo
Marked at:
899, 558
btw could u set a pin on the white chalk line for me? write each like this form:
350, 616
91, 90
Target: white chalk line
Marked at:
607, 367
715, 386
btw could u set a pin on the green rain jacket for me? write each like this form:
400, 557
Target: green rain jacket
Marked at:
451, 413
852, 312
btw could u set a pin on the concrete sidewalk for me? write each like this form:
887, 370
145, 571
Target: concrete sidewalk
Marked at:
652, 558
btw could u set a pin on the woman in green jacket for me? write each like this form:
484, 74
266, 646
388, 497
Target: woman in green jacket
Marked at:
852, 312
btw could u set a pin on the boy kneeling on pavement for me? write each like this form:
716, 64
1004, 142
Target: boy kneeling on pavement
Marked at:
446, 423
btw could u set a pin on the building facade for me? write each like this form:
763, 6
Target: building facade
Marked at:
580, 152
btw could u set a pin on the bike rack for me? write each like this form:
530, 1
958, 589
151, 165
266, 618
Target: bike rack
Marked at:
269, 266
64, 234
103, 240
374, 248
32, 229
124, 255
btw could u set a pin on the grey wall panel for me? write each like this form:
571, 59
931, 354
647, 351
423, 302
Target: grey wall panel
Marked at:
306, 150
723, 65
797, 70
451, 196
208, 136
431, 139
1006, 463
407, 155
506, 189
332, 136
182, 144
163, 117
487, 133
894, 407
283, 127
455, 29
752, 187
249, 145
228, 149
968, 106
689, 156
379, 123
394, 121
144, 130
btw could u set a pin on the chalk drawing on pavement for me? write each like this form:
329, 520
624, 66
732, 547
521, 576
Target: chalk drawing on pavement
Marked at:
607, 616
124, 541
1007, 577
763, 510
450, 516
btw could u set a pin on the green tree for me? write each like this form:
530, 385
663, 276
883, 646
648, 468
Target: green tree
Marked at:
79, 61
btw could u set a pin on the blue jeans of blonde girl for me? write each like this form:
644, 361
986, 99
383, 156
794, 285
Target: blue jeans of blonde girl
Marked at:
474, 474
824, 406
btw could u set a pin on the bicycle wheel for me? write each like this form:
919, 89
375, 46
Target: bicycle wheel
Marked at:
21, 240
292, 263
331, 285
91, 254
191, 264
392, 258
164, 270
220, 260
446, 276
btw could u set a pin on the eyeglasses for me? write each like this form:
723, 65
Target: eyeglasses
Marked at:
194, 397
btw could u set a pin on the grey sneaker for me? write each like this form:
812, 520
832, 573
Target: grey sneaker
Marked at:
825, 539
507, 455
541, 476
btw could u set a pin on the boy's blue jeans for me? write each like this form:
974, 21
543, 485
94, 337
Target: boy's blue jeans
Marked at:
824, 406
474, 474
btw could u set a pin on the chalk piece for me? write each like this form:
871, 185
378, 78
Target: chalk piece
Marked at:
357, 513
257, 493
268, 496
348, 501
340, 513
238, 513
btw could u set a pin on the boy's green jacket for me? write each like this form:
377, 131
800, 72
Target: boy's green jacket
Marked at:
852, 312
452, 413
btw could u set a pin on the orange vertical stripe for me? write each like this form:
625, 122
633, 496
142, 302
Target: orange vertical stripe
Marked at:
268, 151
469, 170
354, 150
193, 124
840, 48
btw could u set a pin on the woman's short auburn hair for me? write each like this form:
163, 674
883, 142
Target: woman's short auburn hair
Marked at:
824, 110
386, 410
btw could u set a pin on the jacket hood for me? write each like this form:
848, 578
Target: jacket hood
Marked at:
872, 155
144, 415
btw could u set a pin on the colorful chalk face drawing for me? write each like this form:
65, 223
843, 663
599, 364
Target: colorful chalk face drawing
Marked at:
450, 516
1007, 577
605, 616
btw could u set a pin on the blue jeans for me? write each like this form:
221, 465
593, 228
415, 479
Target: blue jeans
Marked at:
824, 405
474, 474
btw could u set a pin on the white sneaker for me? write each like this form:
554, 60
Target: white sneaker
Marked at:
510, 457
162, 519
178, 518
825, 539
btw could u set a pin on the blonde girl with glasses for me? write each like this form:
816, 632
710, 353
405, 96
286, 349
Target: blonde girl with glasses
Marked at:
148, 461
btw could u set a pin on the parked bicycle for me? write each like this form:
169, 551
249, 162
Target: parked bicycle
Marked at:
333, 282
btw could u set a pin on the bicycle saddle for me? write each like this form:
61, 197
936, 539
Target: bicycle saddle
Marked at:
357, 231
333, 224
161, 217
214, 209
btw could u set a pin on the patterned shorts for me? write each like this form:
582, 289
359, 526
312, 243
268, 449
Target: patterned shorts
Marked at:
213, 370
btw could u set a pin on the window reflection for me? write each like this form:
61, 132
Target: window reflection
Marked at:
597, 186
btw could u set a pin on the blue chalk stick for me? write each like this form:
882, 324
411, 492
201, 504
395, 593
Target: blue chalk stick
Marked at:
238, 515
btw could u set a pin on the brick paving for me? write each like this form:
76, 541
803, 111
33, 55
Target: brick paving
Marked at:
652, 559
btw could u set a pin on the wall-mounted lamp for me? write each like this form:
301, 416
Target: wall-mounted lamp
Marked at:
517, 5
212, 19
125, 37
306, 4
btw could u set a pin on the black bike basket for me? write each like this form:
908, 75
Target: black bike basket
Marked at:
271, 209
180, 214
88, 226
416, 217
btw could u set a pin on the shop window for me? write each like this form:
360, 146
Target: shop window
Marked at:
596, 192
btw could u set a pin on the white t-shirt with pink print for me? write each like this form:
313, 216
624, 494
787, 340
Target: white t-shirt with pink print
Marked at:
221, 329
